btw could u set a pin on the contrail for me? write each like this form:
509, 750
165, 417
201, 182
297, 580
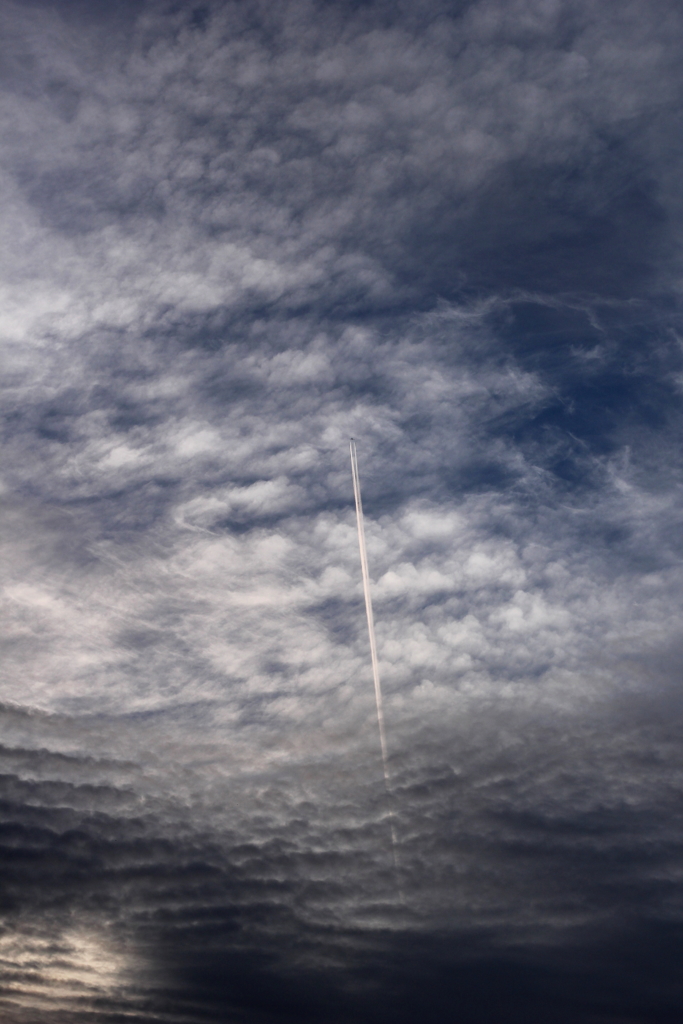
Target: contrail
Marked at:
373, 653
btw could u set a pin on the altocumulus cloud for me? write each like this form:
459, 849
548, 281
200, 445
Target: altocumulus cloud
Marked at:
233, 236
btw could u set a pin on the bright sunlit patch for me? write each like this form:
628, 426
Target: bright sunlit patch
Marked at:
63, 972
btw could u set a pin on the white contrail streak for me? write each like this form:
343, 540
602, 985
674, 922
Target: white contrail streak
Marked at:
373, 649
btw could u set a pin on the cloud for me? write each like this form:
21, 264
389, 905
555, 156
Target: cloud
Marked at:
356, 166
236, 235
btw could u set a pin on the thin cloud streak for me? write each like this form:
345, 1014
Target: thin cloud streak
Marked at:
373, 653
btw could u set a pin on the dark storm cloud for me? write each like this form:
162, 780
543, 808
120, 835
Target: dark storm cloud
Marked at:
235, 235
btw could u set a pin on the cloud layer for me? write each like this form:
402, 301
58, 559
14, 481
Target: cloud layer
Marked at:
235, 235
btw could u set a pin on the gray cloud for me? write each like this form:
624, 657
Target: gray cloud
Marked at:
234, 236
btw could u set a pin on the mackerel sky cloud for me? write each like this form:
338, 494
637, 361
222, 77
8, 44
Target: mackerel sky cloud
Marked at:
234, 235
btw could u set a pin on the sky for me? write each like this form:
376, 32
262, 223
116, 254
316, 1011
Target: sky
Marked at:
234, 235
